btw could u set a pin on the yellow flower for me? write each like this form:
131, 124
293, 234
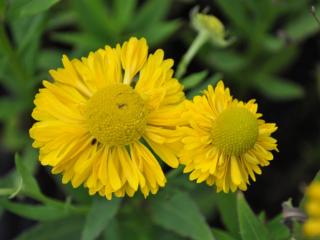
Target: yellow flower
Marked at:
101, 114
312, 226
225, 141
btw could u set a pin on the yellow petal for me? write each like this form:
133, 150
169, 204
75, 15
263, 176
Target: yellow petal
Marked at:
133, 56
235, 171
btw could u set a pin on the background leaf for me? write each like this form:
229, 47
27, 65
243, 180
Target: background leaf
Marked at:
39, 213
65, 229
101, 213
227, 205
194, 79
278, 88
36, 6
177, 212
250, 226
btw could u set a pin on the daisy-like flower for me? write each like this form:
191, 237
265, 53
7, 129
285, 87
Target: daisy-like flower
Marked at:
225, 141
312, 226
100, 116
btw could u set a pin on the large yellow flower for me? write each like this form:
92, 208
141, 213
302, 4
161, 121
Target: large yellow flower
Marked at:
312, 226
101, 114
225, 142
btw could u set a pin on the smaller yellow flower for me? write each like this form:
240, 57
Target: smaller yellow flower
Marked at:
312, 226
225, 141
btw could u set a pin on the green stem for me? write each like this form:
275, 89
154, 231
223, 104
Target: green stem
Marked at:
189, 55
14, 63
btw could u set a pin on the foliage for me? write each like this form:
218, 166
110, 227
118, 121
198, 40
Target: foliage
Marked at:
33, 36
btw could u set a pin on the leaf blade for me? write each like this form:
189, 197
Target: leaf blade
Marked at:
250, 226
180, 214
92, 231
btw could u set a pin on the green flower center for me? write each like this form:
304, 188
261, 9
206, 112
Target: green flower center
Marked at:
116, 115
235, 131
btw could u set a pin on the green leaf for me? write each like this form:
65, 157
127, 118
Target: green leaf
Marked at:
203, 196
30, 185
9, 107
279, 60
194, 79
61, 19
277, 88
204, 85
177, 212
49, 59
37, 6
124, 9
277, 229
251, 228
227, 205
34, 212
112, 231
82, 40
159, 31
63, 229
222, 235
98, 19
236, 12
151, 12
101, 213
225, 61
303, 26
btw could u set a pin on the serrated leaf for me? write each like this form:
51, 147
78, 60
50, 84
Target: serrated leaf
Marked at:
178, 212
194, 79
251, 228
37, 6
278, 88
101, 213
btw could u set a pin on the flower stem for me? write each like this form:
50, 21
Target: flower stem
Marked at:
197, 43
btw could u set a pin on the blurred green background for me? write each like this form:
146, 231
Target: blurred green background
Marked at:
274, 59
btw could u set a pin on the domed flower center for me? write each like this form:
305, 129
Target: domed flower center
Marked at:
116, 115
235, 131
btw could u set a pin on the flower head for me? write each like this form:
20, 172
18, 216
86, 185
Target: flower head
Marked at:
210, 26
225, 141
312, 226
97, 120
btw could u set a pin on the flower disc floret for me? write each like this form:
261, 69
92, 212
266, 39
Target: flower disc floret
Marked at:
116, 115
235, 131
